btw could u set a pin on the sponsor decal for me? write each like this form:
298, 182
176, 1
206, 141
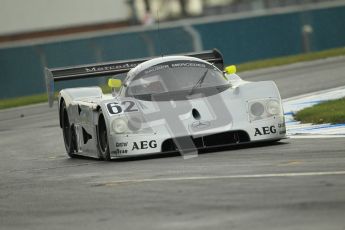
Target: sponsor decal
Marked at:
265, 130
115, 108
120, 151
177, 64
110, 67
188, 64
121, 144
200, 124
144, 145
156, 68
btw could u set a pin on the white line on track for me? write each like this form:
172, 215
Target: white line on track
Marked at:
306, 136
250, 176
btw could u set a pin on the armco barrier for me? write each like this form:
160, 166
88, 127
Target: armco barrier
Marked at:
240, 39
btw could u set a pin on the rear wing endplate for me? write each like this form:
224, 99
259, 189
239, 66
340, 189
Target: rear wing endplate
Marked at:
112, 68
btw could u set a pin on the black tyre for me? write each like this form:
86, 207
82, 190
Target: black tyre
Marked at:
69, 135
102, 139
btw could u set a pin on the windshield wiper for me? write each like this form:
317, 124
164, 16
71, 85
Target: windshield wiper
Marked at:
199, 82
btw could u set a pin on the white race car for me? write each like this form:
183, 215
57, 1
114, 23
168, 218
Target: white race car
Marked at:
165, 104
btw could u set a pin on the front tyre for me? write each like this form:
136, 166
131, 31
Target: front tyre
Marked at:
69, 135
102, 139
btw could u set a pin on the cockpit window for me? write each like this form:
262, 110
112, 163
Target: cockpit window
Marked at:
175, 76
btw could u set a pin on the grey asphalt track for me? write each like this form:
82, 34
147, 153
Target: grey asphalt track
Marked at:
294, 184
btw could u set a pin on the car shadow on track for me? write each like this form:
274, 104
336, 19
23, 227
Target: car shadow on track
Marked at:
201, 151
176, 153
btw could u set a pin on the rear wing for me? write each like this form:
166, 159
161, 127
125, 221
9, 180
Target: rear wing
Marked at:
112, 68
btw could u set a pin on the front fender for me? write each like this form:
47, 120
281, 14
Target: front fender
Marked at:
69, 96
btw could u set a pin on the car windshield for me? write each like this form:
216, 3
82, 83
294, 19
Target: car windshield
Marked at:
175, 76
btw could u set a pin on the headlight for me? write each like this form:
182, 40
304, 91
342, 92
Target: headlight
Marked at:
263, 108
120, 125
257, 109
273, 107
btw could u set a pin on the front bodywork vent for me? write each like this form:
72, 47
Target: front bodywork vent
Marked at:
213, 140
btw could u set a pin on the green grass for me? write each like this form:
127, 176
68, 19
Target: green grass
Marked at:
27, 100
290, 59
33, 99
326, 112
20, 101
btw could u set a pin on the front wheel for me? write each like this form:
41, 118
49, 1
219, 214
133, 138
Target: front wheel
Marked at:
102, 139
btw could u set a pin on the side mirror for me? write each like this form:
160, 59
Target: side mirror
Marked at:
115, 85
231, 69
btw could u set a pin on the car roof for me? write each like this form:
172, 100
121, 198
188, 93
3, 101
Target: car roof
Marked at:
158, 60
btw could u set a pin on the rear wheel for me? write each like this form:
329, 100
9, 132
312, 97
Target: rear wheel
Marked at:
102, 139
68, 132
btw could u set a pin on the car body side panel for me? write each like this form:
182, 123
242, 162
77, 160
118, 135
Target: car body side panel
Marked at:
82, 106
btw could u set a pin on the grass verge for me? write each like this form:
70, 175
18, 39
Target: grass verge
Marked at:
27, 100
290, 59
327, 112
20, 101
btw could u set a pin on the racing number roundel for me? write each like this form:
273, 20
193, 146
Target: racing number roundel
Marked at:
118, 108
114, 108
